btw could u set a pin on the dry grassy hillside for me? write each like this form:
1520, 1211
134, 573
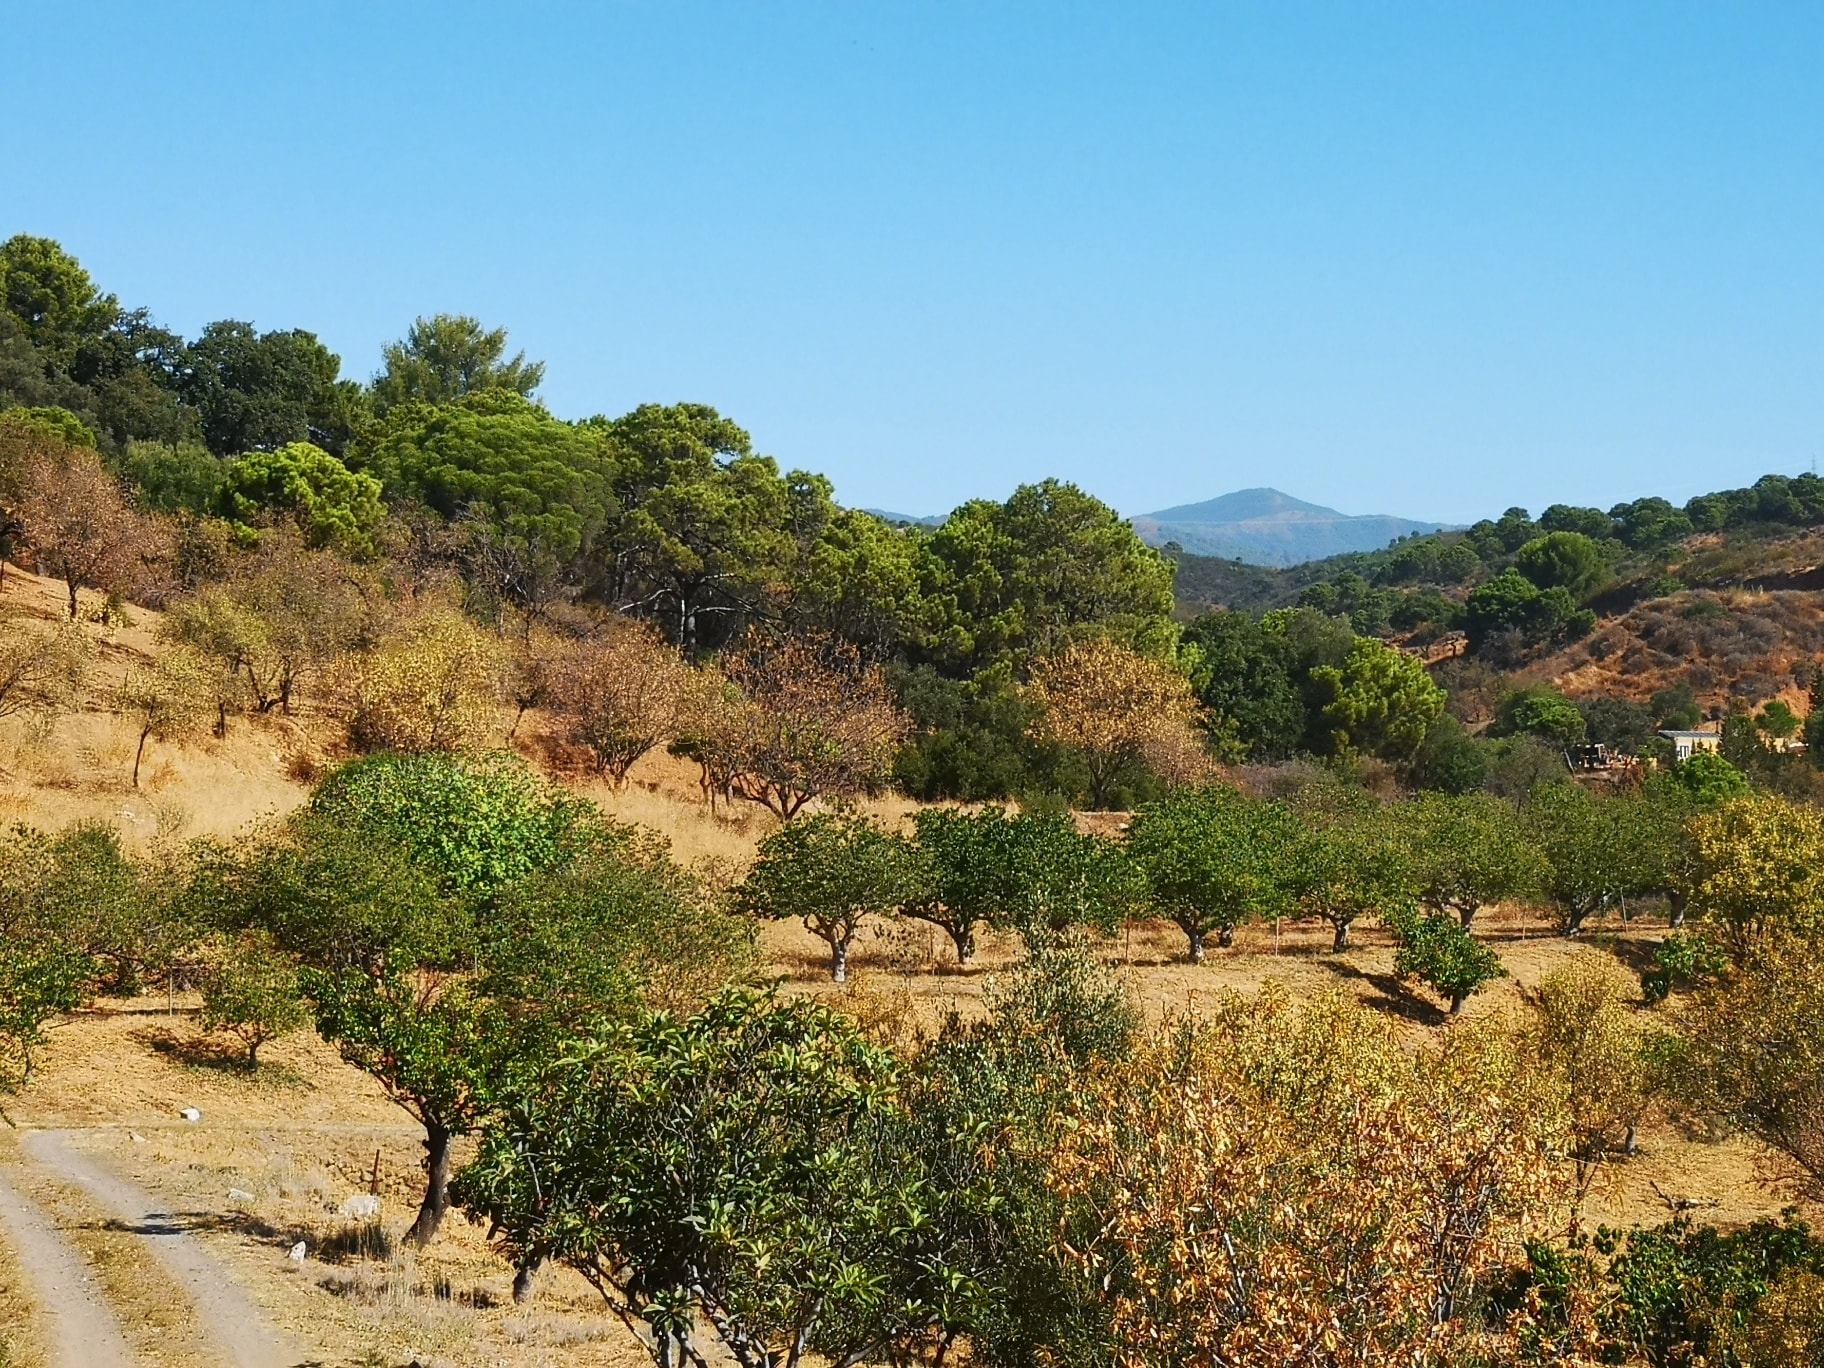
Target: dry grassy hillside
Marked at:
274, 1154
1728, 644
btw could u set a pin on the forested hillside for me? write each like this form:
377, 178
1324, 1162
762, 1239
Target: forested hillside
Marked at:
700, 896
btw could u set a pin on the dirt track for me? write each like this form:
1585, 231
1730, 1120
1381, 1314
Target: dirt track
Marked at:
83, 1329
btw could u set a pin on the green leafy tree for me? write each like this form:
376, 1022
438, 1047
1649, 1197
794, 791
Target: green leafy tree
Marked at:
1245, 675
1214, 860
1707, 779
962, 875
172, 477
1466, 852
52, 296
835, 870
252, 993
41, 979
331, 504
1595, 849
1435, 949
707, 534
1778, 720
383, 885
1020, 580
534, 493
447, 356
1348, 863
1379, 701
726, 1180
1563, 560
1450, 760
259, 391
1539, 711
863, 581
171, 698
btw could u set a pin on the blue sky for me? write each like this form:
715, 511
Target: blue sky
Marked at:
1423, 259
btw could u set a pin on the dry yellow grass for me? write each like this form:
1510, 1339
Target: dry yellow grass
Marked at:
307, 1131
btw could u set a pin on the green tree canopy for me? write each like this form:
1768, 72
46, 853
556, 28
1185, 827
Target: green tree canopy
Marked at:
537, 489
1379, 701
257, 391
332, 505
447, 356
1563, 560
1539, 711
1214, 860
1022, 579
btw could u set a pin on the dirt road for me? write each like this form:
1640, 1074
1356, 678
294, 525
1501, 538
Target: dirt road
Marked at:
83, 1333
223, 1310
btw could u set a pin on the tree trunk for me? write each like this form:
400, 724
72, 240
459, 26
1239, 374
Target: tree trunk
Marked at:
1467, 915
1225, 937
1456, 1002
522, 1281
963, 937
839, 960
1195, 935
1341, 942
73, 609
139, 755
1574, 926
1676, 901
436, 1186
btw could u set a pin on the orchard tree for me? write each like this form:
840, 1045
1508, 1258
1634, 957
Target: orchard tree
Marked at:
1293, 1183
620, 693
1467, 852
965, 863
433, 683
170, 698
42, 668
1757, 871
1585, 1032
1348, 863
808, 719
1214, 860
1755, 1056
835, 870
1118, 710
729, 1183
383, 886
252, 993
447, 356
1436, 949
1595, 849
78, 523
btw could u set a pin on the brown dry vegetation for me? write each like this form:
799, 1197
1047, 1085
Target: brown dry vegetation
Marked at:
1726, 644
307, 1131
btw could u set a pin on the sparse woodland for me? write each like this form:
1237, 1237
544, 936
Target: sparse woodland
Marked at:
473, 608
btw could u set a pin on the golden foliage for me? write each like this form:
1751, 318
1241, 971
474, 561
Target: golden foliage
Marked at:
1116, 707
169, 699
796, 718
1757, 870
1288, 1184
433, 683
620, 693
41, 667
1587, 1036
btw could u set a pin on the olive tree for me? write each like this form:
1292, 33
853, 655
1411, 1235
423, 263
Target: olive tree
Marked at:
1436, 949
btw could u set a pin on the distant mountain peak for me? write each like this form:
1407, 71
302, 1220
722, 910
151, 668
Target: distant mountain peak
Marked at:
1268, 527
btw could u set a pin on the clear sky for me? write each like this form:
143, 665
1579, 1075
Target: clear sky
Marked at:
1422, 259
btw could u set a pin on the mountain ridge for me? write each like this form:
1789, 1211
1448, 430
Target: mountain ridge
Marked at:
1265, 526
